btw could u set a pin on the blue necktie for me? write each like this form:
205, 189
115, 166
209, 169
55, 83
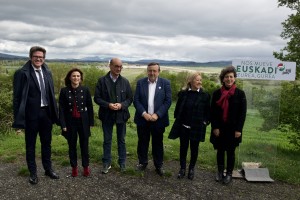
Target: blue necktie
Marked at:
42, 86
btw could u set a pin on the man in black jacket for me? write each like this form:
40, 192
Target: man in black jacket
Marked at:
35, 109
113, 95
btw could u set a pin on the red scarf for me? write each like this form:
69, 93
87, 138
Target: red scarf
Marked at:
223, 101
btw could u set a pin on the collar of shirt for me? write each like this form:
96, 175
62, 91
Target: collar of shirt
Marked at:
152, 82
34, 68
112, 78
198, 90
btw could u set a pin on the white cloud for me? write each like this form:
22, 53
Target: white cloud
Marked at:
136, 29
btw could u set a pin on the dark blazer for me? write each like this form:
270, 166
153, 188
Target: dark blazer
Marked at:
84, 104
236, 117
27, 102
200, 113
103, 96
162, 101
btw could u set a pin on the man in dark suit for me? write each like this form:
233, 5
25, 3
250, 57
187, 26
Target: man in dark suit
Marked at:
152, 100
35, 109
113, 95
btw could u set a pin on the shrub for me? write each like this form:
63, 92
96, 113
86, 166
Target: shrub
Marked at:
6, 108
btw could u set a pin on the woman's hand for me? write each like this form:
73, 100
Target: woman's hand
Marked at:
216, 132
237, 134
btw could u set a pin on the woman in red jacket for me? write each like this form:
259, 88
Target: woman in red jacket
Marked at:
76, 117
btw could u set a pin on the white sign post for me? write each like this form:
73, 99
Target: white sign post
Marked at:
265, 70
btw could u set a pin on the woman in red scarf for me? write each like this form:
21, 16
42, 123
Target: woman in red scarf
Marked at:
228, 114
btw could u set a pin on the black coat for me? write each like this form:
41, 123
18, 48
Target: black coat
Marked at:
200, 115
103, 97
84, 105
26, 103
236, 117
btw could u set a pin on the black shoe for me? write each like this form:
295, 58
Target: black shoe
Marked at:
160, 171
123, 168
191, 174
51, 174
181, 173
227, 179
33, 179
219, 176
141, 167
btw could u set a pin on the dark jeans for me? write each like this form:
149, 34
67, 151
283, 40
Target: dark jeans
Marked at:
185, 141
107, 127
144, 133
230, 159
43, 126
76, 130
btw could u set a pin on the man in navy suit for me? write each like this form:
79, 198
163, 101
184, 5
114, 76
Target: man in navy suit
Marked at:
152, 101
35, 109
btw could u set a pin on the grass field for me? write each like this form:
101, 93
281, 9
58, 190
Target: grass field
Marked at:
270, 148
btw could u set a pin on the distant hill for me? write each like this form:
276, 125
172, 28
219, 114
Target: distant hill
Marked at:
137, 62
4, 56
163, 62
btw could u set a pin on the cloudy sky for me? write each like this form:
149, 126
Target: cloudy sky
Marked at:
196, 30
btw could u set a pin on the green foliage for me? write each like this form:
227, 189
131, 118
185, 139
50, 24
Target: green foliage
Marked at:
91, 76
280, 109
23, 171
291, 31
134, 81
266, 101
209, 83
6, 114
290, 110
59, 72
177, 81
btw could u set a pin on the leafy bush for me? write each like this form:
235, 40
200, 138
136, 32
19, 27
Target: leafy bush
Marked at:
284, 103
6, 108
91, 76
290, 110
59, 72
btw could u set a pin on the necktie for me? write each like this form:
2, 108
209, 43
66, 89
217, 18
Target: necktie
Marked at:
42, 87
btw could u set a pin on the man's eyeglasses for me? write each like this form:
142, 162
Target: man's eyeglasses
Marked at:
38, 57
118, 66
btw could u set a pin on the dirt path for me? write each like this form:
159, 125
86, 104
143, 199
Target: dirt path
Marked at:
124, 186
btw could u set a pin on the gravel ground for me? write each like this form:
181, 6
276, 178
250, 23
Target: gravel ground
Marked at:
115, 185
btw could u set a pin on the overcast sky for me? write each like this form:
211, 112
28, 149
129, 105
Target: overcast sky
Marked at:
195, 30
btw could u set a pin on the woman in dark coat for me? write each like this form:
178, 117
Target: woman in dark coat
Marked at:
76, 117
191, 118
228, 114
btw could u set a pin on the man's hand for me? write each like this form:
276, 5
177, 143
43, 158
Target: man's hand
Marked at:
147, 116
154, 117
115, 106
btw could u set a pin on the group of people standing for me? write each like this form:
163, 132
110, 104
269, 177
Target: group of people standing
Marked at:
35, 110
